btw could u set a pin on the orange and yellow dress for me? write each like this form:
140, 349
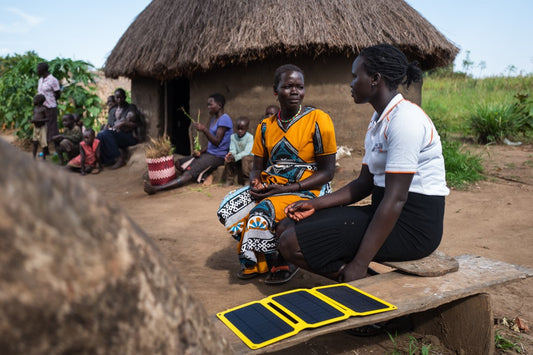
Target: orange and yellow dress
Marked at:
291, 157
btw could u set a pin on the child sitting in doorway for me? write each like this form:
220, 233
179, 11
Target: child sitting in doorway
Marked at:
239, 159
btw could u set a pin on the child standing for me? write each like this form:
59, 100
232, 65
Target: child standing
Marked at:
88, 161
68, 142
239, 159
39, 126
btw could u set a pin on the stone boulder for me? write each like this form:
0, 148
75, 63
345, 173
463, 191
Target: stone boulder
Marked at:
78, 276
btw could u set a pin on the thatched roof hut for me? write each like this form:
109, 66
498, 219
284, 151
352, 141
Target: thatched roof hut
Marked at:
174, 39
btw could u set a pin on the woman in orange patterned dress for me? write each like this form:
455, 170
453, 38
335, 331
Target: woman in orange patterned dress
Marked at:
294, 159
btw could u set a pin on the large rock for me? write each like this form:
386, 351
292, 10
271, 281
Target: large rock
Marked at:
77, 275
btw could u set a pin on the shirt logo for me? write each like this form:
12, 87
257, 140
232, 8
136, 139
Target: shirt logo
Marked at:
378, 147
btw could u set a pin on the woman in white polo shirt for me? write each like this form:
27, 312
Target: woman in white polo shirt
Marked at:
403, 170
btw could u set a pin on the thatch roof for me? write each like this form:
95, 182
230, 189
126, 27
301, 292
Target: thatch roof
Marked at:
176, 37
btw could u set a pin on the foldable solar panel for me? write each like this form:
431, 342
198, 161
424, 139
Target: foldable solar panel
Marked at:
357, 302
282, 315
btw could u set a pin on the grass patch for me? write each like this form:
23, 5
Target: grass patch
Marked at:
462, 167
488, 110
451, 99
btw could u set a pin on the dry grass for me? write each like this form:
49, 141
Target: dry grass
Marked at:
159, 147
177, 37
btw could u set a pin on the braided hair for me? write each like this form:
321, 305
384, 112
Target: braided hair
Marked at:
391, 64
283, 69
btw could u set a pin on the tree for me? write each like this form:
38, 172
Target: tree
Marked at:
482, 66
510, 69
18, 85
467, 63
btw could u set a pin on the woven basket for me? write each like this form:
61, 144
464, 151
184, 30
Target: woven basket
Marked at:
161, 170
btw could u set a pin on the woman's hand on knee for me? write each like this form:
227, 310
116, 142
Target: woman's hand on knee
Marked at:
266, 190
299, 210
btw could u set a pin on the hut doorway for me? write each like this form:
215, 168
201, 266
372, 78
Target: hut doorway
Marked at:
177, 96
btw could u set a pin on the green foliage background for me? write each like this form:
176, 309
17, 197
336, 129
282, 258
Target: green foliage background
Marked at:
18, 86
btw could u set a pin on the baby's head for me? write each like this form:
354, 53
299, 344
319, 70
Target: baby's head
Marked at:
88, 136
131, 116
242, 126
38, 100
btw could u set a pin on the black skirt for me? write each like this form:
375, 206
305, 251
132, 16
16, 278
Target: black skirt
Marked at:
331, 237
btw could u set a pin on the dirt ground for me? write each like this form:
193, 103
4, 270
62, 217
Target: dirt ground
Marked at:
492, 219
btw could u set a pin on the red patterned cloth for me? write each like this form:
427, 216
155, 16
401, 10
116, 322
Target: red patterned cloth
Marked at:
90, 156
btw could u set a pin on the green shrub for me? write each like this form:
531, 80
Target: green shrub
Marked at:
524, 109
493, 122
462, 167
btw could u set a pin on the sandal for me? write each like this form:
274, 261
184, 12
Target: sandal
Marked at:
246, 276
273, 277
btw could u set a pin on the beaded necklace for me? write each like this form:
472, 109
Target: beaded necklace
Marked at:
290, 119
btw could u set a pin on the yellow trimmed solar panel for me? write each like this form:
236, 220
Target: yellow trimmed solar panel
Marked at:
355, 301
282, 315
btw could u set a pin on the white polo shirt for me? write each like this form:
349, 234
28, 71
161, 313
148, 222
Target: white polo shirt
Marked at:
404, 140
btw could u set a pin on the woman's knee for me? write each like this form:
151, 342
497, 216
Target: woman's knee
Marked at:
288, 243
283, 225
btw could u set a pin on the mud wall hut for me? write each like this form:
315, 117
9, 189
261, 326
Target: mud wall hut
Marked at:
177, 52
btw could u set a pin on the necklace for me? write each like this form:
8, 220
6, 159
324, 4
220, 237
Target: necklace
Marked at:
290, 119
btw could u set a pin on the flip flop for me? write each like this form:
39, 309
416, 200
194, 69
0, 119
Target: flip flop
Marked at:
241, 275
289, 269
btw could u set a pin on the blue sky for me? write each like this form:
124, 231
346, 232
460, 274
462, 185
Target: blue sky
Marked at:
497, 33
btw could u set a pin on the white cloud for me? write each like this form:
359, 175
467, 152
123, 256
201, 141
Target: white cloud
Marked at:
20, 23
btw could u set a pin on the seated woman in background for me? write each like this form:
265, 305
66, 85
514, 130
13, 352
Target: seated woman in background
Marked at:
123, 123
203, 162
294, 159
403, 169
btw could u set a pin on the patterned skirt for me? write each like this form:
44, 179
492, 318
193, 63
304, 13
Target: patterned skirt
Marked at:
253, 223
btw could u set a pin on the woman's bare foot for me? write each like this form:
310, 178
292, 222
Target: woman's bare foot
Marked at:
208, 181
119, 164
